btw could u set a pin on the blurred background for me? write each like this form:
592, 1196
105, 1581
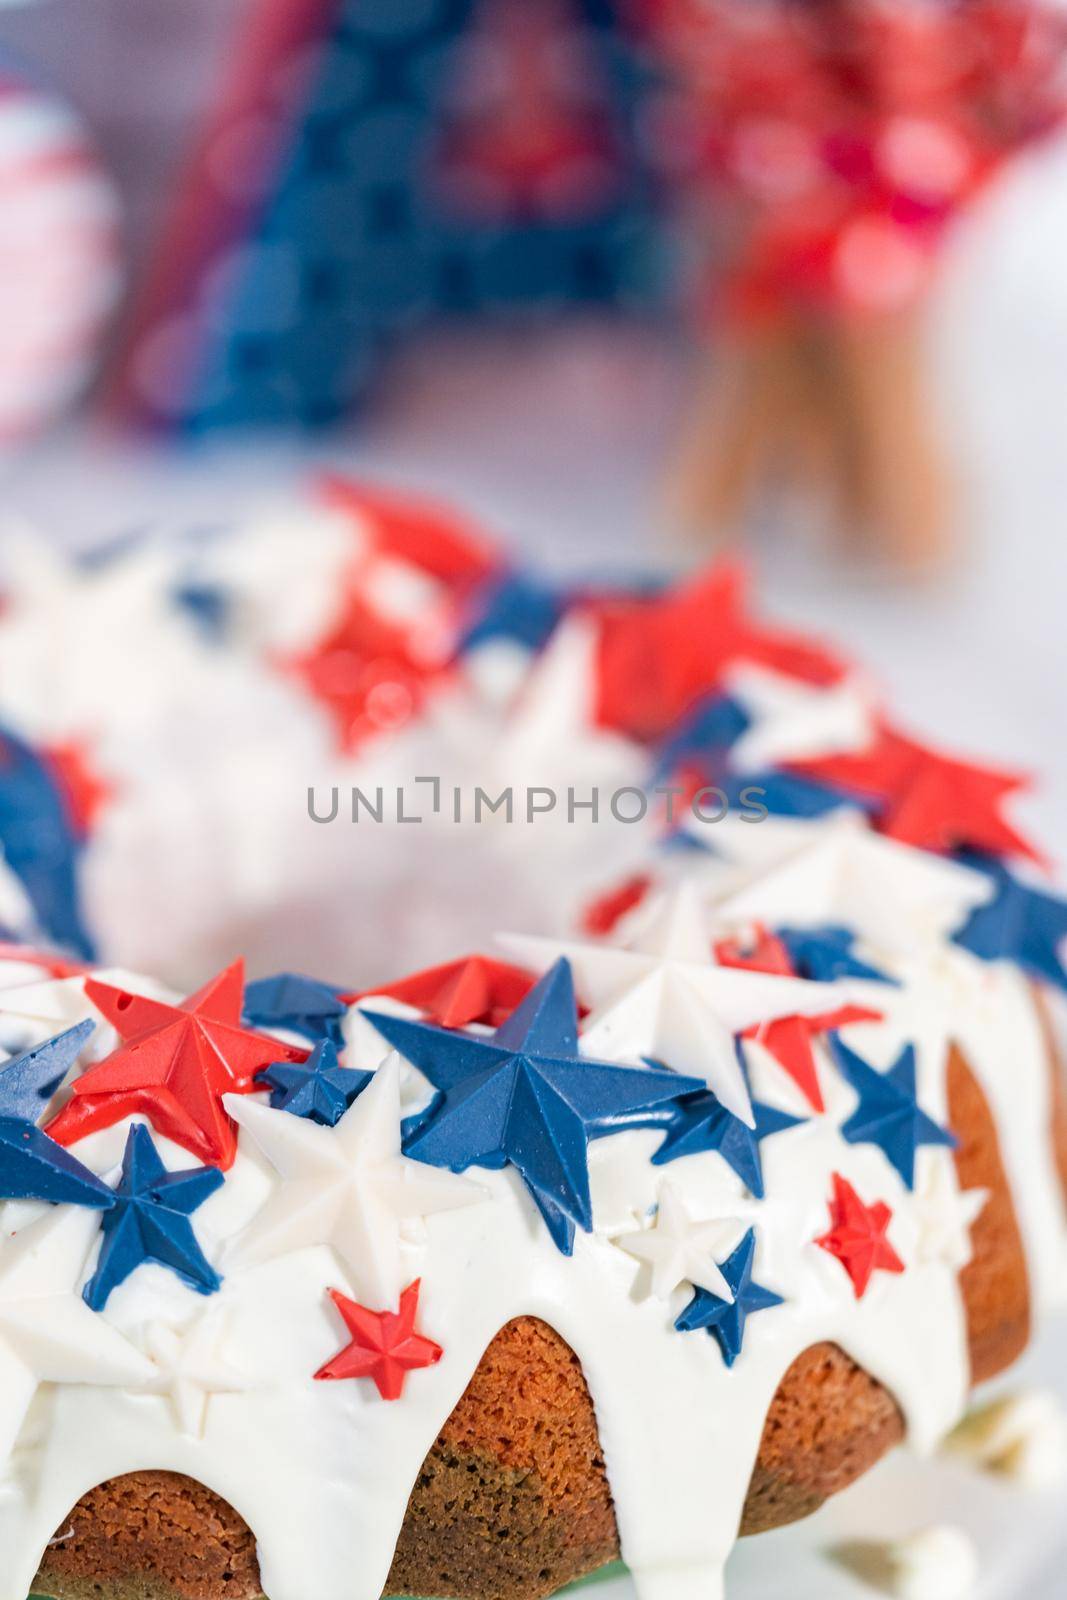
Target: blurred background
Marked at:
628, 280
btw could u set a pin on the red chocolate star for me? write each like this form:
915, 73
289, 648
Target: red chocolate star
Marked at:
384, 1344
84, 792
857, 1236
658, 656
932, 801
366, 672
475, 989
607, 910
426, 536
173, 1067
788, 1039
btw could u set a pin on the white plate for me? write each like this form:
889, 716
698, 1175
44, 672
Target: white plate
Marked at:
1021, 1537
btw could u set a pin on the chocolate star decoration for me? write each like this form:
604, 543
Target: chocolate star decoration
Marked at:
888, 1114
473, 989
173, 1067
301, 1005
858, 1236
33, 1166
319, 1088
926, 799
525, 1095
149, 1221
1019, 924
659, 656
384, 1344
826, 954
726, 1320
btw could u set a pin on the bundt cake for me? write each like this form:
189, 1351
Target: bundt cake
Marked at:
661, 1225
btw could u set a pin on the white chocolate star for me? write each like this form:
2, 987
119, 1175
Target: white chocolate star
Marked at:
47, 1332
190, 1368
887, 892
348, 1186
552, 738
795, 722
663, 997
946, 1214
680, 1250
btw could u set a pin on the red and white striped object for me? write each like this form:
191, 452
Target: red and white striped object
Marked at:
60, 262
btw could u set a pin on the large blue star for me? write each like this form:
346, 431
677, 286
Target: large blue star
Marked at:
318, 1088
1019, 924
825, 954
33, 1166
302, 1005
725, 1321
149, 1221
526, 1096
701, 1122
888, 1114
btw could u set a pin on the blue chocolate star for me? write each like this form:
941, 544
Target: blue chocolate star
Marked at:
513, 606
28, 1082
704, 737
526, 1096
1019, 924
149, 1221
302, 1005
725, 1321
40, 843
701, 1122
318, 1088
825, 954
888, 1114
787, 794
33, 1166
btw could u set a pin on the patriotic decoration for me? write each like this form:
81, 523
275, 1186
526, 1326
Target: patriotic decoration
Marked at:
888, 1114
60, 259
319, 1088
32, 1165
858, 1236
148, 1220
525, 1097
726, 1316
834, 143
372, 165
174, 1066
384, 1344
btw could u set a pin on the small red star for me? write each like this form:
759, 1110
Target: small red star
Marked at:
788, 1039
84, 792
429, 537
384, 1344
475, 989
366, 672
607, 910
932, 801
658, 656
857, 1236
173, 1067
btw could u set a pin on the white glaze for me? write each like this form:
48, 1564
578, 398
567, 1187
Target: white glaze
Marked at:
322, 1472
224, 1391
